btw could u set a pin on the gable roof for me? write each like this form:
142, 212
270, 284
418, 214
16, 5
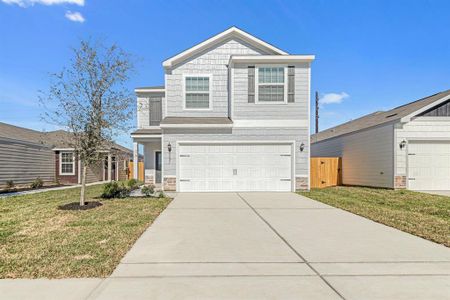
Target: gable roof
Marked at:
402, 113
50, 139
229, 33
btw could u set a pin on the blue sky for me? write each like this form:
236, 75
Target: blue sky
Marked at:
370, 55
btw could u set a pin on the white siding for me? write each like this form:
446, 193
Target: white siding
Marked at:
291, 111
421, 128
299, 135
214, 62
367, 156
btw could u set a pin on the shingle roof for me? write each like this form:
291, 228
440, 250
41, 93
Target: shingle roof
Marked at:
51, 139
378, 118
147, 131
156, 87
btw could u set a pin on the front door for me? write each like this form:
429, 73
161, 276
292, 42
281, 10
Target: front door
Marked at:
158, 167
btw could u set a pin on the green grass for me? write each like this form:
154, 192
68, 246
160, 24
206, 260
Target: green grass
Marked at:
39, 240
424, 215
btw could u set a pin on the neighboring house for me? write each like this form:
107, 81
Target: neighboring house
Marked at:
406, 147
233, 115
26, 154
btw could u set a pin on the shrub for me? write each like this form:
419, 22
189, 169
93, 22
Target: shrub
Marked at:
10, 185
133, 184
161, 195
148, 190
114, 190
37, 183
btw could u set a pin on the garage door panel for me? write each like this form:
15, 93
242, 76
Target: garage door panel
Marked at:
429, 165
235, 167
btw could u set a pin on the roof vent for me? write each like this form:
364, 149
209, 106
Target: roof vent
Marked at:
391, 116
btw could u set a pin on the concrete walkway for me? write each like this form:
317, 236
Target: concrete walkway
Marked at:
60, 188
266, 246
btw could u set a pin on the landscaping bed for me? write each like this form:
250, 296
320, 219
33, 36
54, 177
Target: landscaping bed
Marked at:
421, 214
41, 236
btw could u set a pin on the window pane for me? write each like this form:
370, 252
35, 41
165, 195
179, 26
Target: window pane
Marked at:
66, 168
67, 157
197, 84
197, 100
271, 75
271, 93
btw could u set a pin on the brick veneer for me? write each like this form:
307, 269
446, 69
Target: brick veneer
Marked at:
400, 182
301, 183
149, 179
65, 179
170, 183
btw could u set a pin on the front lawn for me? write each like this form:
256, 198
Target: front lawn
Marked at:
424, 215
39, 240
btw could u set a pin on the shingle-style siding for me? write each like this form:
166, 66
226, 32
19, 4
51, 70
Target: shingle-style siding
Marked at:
23, 162
367, 156
300, 135
143, 108
243, 110
214, 62
429, 128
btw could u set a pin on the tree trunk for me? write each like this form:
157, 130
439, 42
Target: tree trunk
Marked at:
83, 185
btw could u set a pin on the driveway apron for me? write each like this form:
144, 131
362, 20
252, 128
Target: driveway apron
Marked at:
274, 246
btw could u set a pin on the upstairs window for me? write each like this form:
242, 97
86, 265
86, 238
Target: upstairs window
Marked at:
197, 92
66, 163
271, 86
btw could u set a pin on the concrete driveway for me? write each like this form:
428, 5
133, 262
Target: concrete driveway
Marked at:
274, 246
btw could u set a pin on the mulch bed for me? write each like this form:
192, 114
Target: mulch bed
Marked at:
76, 206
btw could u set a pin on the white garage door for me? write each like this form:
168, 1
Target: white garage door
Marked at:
234, 167
429, 165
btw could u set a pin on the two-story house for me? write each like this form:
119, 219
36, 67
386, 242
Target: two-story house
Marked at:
233, 115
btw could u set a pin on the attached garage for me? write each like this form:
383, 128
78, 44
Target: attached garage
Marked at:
231, 167
405, 147
429, 165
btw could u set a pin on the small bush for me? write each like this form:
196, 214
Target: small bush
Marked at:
161, 195
148, 190
133, 184
114, 190
37, 183
10, 185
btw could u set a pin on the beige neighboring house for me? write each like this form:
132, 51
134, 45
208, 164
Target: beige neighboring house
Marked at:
405, 147
232, 115
27, 154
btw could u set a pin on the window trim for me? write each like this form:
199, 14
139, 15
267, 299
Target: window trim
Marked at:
285, 84
210, 76
61, 173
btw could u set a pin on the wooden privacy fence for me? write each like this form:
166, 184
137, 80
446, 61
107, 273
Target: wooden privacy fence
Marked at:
140, 170
326, 171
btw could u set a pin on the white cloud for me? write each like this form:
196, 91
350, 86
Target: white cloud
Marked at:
26, 3
74, 16
333, 98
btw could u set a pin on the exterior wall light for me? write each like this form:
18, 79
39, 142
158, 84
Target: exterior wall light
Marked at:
402, 144
302, 147
169, 147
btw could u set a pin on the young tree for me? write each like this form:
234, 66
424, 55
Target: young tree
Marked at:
89, 99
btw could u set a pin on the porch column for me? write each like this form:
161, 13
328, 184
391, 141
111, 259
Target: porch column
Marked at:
135, 160
109, 166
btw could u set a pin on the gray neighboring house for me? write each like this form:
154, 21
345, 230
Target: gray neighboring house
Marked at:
406, 147
26, 154
233, 115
